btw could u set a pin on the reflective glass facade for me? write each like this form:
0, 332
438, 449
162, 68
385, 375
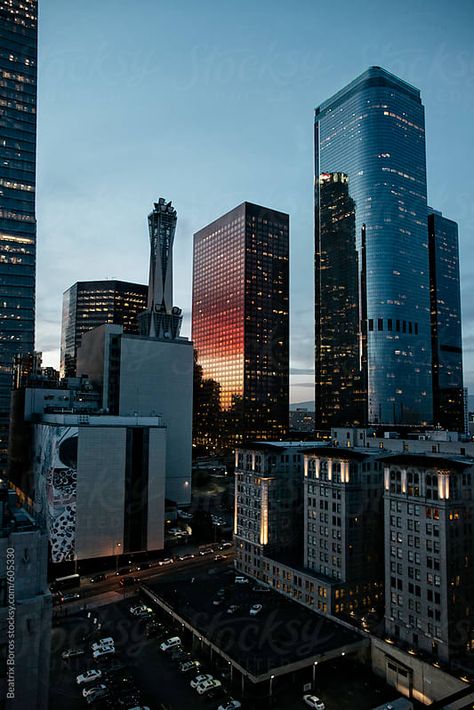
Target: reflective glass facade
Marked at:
89, 304
240, 322
373, 132
340, 388
18, 55
448, 396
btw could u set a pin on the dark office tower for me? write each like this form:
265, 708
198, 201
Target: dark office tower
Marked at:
448, 394
373, 132
340, 396
88, 304
18, 51
240, 321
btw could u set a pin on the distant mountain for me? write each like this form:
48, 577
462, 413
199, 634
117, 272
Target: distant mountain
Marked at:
302, 405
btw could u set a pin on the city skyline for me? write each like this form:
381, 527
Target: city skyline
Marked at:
277, 80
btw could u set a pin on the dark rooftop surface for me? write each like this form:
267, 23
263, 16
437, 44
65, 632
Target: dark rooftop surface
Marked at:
282, 633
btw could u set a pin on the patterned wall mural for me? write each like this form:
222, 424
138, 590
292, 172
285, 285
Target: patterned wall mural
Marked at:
55, 486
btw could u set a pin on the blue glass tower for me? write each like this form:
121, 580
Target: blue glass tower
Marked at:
448, 393
373, 132
18, 53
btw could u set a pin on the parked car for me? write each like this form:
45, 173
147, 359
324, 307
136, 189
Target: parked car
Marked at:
230, 704
255, 609
88, 676
208, 551
200, 679
91, 691
140, 609
225, 545
100, 692
261, 588
208, 686
188, 556
98, 578
241, 580
232, 609
185, 516
313, 702
105, 642
189, 666
72, 653
179, 655
170, 643
69, 596
103, 652
166, 561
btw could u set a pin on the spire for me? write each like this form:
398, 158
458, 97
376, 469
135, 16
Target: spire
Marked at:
161, 319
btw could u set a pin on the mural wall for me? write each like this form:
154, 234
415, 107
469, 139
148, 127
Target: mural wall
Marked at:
55, 472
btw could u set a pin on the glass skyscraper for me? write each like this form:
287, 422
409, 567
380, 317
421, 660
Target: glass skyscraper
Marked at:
448, 393
18, 74
340, 386
88, 304
373, 132
240, 320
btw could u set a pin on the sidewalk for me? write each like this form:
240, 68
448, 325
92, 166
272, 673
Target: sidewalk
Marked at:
93, 602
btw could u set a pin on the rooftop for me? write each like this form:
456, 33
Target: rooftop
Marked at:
283, 634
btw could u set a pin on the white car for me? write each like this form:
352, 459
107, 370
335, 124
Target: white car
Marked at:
103, 643
140, 610
92, 691
231, 705
241, 580
201, 679
313, 702
170, 643
101, 652
255, 609
166, 561
208, 685
88, 676
232, 609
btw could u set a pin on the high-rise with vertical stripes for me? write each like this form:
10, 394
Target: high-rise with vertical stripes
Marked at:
372, 132
18, 75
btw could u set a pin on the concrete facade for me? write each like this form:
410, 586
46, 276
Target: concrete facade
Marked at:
87, 488
156, 378
23, 589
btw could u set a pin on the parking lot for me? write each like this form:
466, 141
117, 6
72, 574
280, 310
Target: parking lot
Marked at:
278, 631
137, 674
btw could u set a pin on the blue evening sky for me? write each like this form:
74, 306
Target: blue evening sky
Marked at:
210, 103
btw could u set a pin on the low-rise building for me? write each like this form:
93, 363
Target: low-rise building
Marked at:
429, 543
25, 608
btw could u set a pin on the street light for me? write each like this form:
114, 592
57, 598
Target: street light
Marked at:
117, 553
314, 674
271, 684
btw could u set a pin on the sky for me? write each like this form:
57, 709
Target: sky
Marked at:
211, 103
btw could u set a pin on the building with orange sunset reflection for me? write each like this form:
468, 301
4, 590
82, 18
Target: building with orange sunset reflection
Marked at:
240, 320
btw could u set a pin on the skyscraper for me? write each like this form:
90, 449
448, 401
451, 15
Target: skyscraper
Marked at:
88, 304
18, 52
373, 132
340, 391
240, 321
448, 394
